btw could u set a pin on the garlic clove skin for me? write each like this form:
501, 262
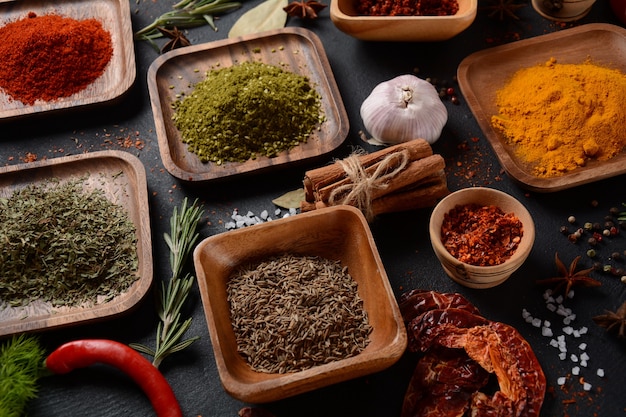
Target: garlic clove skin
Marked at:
402, 109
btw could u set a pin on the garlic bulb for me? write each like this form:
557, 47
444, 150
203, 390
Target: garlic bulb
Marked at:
402, 109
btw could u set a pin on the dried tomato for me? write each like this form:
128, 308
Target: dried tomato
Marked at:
481, 235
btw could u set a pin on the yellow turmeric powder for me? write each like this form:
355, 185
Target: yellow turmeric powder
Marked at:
560, 116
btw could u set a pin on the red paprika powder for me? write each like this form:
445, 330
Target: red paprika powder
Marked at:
481, 235
49, 57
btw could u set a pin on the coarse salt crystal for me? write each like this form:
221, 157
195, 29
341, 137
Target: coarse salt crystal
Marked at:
551, 307
525, 313
264, 215
546, 331
587, 386
546, 323
600, 372
576, 370
583, 363
563, 356
554, 343
561, 380
582, 346
277, 212
584, 356
536, 322
568, 330
573, 358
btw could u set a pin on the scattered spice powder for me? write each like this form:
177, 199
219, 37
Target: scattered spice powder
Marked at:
49, 57
481, 235
407, 8
559, 117
293, 312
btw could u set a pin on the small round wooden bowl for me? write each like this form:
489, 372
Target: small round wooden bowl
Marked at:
337, 233
481, 276
401, 28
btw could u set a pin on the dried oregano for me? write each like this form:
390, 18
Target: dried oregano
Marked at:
247, 110
291, 312
64, 245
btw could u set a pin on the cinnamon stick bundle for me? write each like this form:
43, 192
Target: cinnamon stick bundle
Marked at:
398, 178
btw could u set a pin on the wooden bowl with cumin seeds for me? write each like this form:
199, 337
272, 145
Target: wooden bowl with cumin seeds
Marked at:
338, 233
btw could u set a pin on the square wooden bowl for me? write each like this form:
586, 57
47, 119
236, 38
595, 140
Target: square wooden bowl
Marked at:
293, 49
122, 178
336, 233
483, 73
401, 28
119, 75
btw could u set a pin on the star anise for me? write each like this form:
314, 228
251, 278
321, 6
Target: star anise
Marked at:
570, 277
177, 39
304, 9
613, 320
503, 9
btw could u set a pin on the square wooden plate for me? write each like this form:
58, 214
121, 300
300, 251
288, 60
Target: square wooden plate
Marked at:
121, 176
119, 74
336, 233
294, 49
483, 73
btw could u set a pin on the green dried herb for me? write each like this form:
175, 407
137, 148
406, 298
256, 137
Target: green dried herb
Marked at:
247, 110
64, 245
172, 296
21, 364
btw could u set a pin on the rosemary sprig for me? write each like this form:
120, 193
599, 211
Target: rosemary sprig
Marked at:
172, 296
187, 14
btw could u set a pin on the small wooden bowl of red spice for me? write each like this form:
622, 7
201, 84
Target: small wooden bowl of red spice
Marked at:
395, 21
481, 236
297, 304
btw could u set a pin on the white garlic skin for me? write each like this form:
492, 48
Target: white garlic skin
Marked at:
402, 109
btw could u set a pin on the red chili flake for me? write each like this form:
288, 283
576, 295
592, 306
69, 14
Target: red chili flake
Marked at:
408, 7
481, 235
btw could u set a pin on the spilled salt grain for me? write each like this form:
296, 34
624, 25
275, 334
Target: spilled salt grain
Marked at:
561, 380
600, 372
576, 370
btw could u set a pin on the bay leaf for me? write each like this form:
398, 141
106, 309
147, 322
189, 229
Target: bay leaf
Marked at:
290, 199
266, 16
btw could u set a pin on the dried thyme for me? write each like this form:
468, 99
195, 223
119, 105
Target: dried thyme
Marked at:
291, 313
64, 245
247, 110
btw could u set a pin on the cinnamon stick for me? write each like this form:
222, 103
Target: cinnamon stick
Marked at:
321, 177
423, 194
411, 174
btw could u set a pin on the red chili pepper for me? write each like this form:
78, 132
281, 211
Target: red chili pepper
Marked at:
83, 353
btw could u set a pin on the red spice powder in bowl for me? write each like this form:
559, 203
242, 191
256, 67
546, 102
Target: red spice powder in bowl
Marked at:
392, 21
481, 236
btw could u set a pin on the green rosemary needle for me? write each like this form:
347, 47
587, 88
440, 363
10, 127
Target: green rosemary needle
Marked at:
187, 14
172, 295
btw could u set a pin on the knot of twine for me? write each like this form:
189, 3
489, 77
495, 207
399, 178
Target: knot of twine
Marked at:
358, 193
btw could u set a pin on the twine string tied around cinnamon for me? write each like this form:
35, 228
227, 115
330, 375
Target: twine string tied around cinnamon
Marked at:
359, 191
